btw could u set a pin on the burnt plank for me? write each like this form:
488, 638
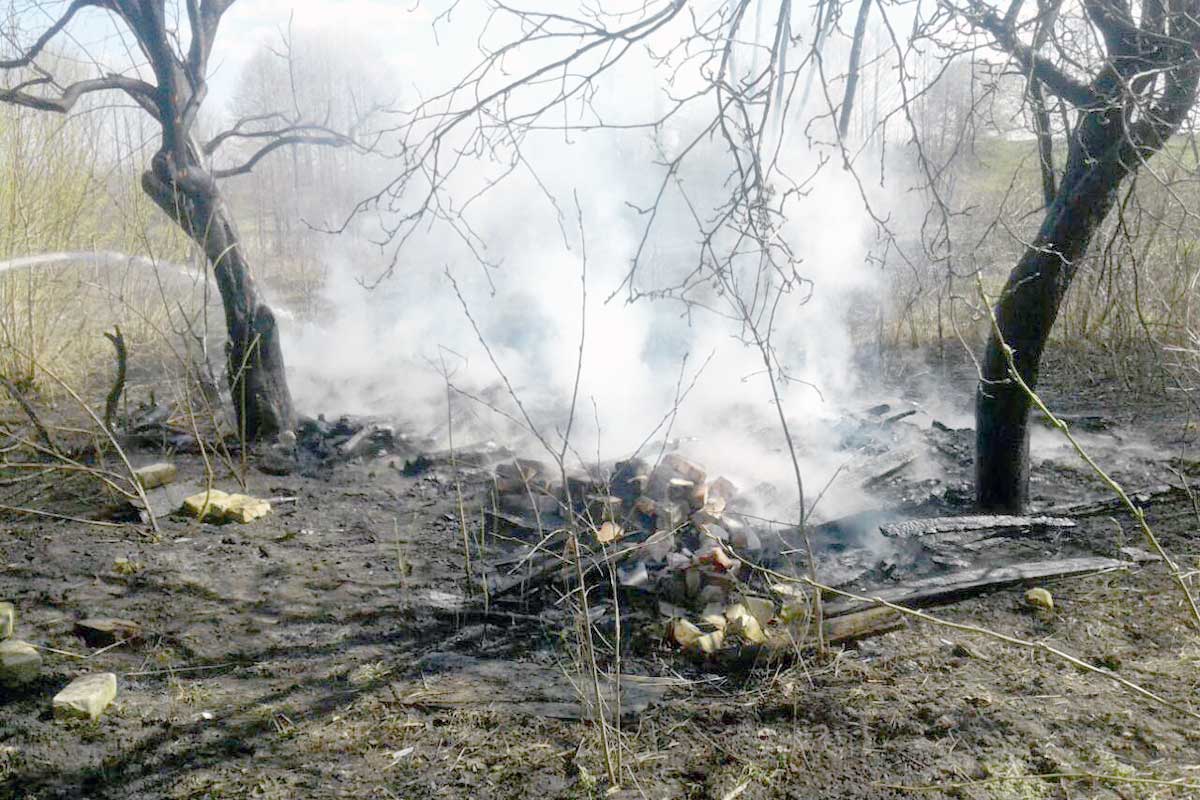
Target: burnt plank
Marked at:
960, 585
916, 528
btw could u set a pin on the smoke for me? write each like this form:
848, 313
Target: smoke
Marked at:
578, 202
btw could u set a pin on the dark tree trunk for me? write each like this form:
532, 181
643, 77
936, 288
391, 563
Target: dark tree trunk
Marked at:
1100, 158
257, 379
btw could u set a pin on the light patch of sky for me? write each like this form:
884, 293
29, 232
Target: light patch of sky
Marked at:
393, 29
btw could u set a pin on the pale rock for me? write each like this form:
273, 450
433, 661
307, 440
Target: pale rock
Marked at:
214, 505
243, 508
8, 620
154, 475
1040, 598
20, 663
684, 633
86, 697
207, 505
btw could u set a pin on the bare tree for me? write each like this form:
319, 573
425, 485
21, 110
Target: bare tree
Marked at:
168, 81
1131, 95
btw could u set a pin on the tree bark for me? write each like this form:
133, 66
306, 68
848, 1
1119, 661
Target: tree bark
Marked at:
254, 359
1100, 159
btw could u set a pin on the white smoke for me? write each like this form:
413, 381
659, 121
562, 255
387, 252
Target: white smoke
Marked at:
380, 351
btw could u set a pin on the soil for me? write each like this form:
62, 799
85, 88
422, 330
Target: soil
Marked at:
293, 657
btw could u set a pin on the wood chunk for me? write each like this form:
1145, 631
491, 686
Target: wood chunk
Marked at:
86, 697
714, 616
580, 484
684, 633
744, 624
673, 468
539, 504
898, 463
711, 642
8, 620
861, 624
680, 490
519, 476
683, 468
629, 478
986, 522
154, 475
603, 507
104, 631
1144, 499
668, 517
609, 532
454, 681
761, 608
723, 488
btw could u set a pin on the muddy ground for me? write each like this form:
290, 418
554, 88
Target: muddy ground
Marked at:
297, 657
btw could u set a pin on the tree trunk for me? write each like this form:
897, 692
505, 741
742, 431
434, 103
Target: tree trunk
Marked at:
1029, 304
257, 379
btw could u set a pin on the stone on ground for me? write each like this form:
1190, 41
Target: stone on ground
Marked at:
104, 631
155, 475
215, 505
86, 697
1040, 598
20, 663
243, 508
8, 620
207, 505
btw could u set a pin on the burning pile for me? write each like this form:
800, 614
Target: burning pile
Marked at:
672, 531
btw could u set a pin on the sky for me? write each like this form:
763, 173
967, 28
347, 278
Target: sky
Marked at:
386, 27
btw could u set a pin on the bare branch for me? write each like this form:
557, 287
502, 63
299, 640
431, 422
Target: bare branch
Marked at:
141, 92
26, 58
275, 144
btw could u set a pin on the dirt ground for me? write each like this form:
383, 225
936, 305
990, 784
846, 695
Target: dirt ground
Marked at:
290, 658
